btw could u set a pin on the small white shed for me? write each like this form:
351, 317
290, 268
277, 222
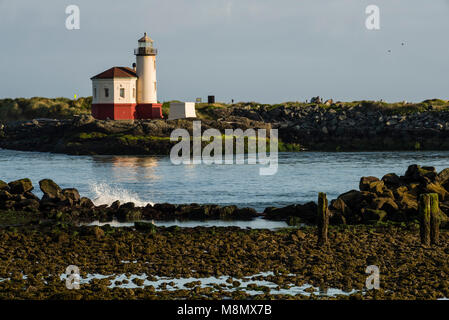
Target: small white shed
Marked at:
182, 110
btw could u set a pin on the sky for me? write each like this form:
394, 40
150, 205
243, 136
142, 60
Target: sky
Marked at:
269, 51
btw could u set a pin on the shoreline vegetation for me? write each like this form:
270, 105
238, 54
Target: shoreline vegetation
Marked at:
65, 126
376, 225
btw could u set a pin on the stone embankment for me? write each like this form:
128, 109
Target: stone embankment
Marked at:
334, 127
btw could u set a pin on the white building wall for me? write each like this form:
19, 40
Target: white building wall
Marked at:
114, 85
146, 83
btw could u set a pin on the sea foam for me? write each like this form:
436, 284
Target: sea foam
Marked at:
106, 194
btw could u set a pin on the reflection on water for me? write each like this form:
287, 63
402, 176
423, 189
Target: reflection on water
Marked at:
139, 168
257, 223
146, 179
246, 284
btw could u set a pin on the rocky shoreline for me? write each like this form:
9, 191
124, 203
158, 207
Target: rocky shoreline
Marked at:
362, 126
392, 198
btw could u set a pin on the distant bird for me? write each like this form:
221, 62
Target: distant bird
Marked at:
403, 43
389, 51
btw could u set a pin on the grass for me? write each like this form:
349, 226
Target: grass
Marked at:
38, 107
63, 108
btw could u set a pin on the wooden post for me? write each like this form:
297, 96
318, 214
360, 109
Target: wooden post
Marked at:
322, 219
434, 219
424, 216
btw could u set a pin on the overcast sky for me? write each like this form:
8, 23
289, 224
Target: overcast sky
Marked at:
248, 50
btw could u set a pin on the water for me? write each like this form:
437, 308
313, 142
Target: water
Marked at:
257, 223
144, 179
180, 283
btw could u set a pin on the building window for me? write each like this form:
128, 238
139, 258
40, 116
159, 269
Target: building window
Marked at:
106, 92
95, 92
134, 92
122, 92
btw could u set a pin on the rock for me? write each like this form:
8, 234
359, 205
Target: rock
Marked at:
408, 202
30, 195
442, 177
4, 186
165, 208
415, 173
365, 182
377, 187
340, 206
306, 212
226, 211
86, 203
437, 188
386, 204
5, 195
72, 194
28, 205
115, 205
20, 186
245, 213
145, 226
373, 215
391, 180
51, 190
129, 212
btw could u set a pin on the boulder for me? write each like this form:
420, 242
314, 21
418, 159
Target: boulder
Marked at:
385, 204
373, 215
72, 194
391, 180
437, 188
27, 205
30, 195
442, 177
5, 195
51, 190
408, 202
20, 186
129, 212
416, 173
4, 186
115, 205
86, 203
365, 182
338, 205
245, 213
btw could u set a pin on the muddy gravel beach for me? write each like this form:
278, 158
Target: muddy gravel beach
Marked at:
172, 263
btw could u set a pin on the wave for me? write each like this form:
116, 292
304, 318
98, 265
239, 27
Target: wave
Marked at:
106, 194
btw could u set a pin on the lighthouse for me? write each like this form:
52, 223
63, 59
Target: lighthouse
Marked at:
122, 93
146, 71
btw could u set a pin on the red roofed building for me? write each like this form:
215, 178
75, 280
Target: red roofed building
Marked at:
122, 93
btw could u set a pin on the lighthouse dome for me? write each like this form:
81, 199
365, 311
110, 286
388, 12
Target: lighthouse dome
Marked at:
145, 38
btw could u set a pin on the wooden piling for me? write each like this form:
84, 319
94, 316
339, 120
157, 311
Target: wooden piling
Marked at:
434, 219
322, 219
424, 216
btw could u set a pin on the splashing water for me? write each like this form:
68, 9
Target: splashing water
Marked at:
106, 194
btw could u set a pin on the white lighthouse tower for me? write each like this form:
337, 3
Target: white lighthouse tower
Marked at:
146, 71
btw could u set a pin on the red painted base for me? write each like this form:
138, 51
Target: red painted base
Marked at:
127, 111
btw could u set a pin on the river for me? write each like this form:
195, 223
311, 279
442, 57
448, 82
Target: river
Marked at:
144, 179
